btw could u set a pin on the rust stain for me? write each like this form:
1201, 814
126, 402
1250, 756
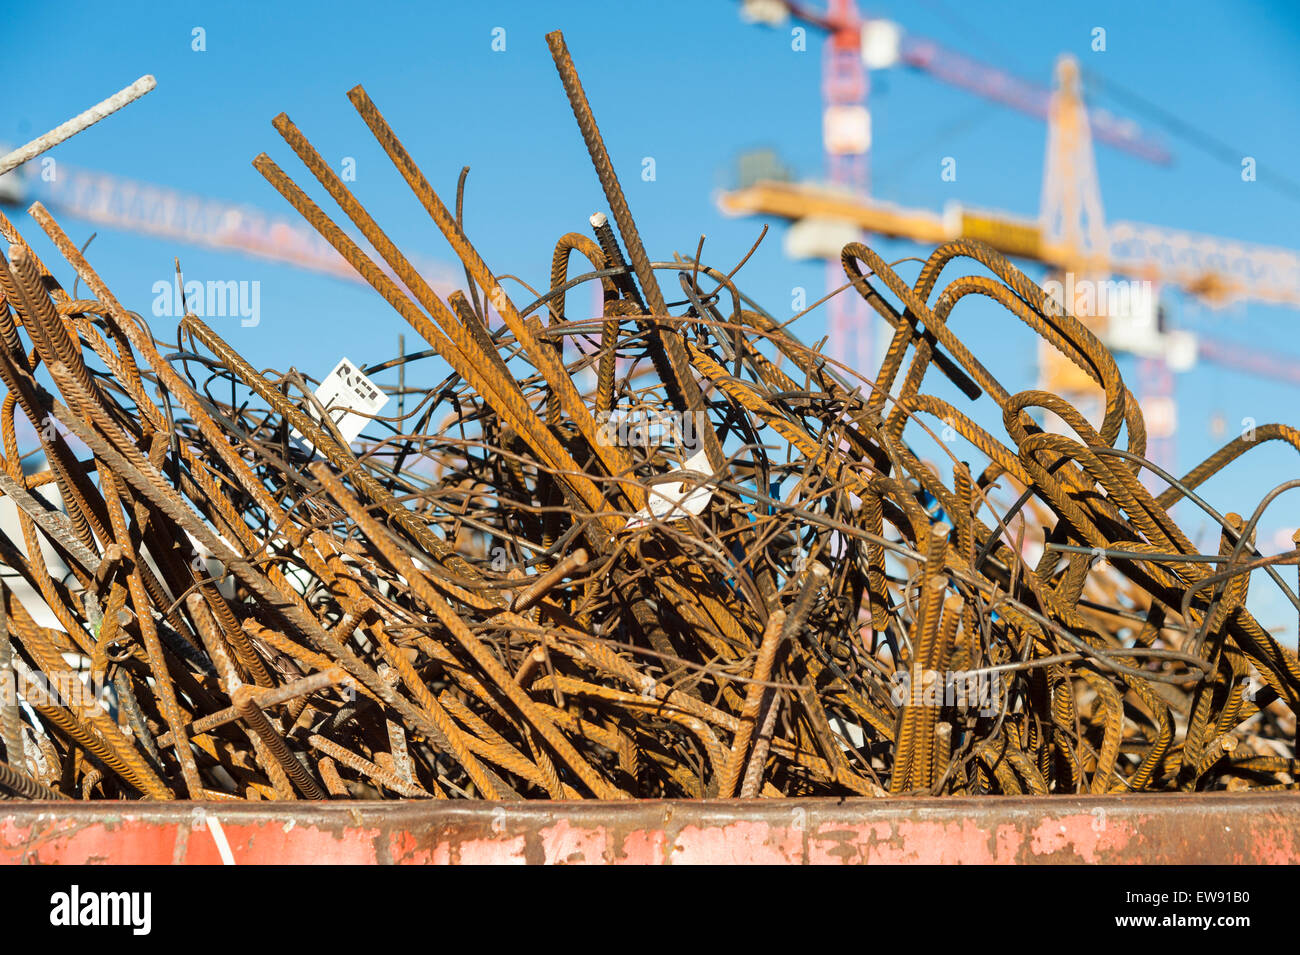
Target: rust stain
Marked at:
1117, 830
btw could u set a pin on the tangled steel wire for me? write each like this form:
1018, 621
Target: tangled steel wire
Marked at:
738, 579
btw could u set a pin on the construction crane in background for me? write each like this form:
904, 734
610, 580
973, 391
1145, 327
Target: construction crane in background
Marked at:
1070, 237
118, 203
853, 47
846, 135
882, 44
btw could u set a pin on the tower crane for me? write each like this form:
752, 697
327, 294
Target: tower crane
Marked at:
853, 47
116, 202
1070, 236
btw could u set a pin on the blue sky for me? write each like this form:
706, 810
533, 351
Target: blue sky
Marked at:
684, 82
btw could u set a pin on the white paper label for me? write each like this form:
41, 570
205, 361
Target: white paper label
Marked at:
345, 391
669, 501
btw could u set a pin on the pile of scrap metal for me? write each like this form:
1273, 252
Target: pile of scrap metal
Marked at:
667, 552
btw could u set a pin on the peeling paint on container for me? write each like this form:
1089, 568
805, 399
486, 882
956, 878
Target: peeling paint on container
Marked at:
1231, 829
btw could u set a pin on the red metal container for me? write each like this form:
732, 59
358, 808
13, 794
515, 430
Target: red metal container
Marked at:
1224, 828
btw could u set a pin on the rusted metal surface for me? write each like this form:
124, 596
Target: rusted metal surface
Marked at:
1226, 829
668, 551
